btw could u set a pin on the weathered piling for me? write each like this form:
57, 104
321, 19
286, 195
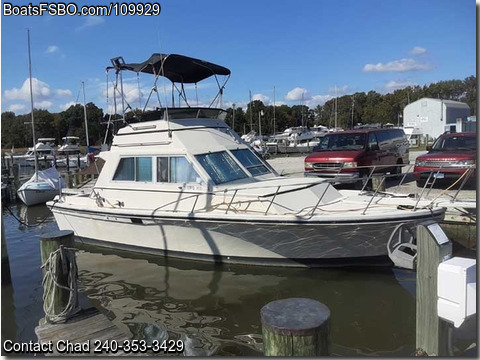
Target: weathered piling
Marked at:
295, 327
433, 247
378, 182
59, 271
6, 276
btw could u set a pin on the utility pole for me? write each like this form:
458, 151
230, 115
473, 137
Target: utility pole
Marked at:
353, 108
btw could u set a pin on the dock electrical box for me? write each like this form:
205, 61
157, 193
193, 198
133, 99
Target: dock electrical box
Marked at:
457, 289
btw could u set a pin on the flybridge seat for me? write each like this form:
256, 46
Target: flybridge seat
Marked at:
182, 113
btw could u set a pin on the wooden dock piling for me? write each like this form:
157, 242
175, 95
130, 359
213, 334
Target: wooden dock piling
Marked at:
65, 322
295, 327
6, 275
57, 298
433, 247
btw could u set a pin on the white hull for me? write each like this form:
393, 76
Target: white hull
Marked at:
34, 196
239, 240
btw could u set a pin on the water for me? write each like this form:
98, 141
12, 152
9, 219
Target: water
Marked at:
214, 309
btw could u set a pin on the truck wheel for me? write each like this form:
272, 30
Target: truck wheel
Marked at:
420, 183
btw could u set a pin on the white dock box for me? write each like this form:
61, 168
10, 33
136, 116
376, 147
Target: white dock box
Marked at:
457, 289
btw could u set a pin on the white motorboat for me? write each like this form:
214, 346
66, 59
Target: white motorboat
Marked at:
43, 185
185, 185
45, 150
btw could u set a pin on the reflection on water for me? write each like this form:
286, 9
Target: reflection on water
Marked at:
216, 309
22, 300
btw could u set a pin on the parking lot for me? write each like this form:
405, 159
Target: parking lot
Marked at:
293, 166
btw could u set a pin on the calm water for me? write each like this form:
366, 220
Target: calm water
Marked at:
214, 309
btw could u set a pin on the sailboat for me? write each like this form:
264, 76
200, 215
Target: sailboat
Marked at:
44, 185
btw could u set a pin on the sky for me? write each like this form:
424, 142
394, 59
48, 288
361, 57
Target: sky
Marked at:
280, 52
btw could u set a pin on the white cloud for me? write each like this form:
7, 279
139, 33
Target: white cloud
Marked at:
398, 84
339, 90
401, 65
63, 92
40, 89
91, 21
16, 107
318, 100
263, 98
42, 104
51, 49
417, 50
297, 94
67, 105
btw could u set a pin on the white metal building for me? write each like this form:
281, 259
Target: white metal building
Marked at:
433, 117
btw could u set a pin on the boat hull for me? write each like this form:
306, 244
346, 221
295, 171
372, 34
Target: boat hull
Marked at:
33, 196
295, 243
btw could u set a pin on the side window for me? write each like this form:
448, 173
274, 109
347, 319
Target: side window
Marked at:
143, 169
176, 169
134, 169
181, 171
372, 141
125, 170
162, 169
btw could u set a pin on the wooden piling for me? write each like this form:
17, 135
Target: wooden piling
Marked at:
49, 243
433, 247
6, 275
295, 327
378, 183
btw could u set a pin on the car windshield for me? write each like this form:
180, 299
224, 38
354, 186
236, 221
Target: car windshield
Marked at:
342, 141
449, 143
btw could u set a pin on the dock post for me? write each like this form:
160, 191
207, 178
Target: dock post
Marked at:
378, 183
6, 275
58, 301
433, 247
296, 327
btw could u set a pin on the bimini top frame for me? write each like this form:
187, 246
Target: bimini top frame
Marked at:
179, 69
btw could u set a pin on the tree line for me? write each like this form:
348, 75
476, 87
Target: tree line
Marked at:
358, 108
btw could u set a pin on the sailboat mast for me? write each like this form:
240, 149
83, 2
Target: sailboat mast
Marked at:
336, 109
274, 131
31, 105
85, 114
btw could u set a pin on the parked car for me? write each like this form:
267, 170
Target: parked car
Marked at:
448, 158
347, 155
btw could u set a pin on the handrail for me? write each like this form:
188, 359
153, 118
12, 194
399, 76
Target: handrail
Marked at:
373, 196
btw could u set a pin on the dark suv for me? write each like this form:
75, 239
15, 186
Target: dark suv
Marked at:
448, 158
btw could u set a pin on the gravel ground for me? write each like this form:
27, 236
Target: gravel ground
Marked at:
293, 166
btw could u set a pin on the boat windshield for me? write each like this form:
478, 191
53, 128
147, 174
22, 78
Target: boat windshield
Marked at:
250, 161
342, 141
221, 167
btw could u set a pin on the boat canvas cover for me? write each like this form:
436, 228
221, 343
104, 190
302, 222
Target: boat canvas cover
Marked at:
50, 176
177, 68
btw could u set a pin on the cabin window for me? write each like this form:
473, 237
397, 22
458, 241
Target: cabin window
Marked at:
250, 161
134, 169
143, 169
176, 169
221, 167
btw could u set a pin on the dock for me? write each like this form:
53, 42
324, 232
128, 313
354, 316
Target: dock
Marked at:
84, 333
